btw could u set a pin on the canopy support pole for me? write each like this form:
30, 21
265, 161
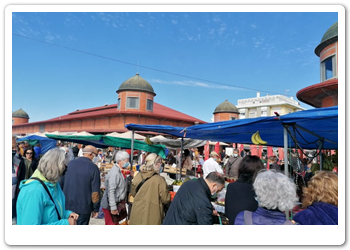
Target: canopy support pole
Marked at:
285, 141
180, 163
285, 138
132, 150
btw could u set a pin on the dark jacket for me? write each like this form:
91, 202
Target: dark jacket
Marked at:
319, 213
82, 186
263, 216
75, 150
21, 172
191, 205
276, 167
240, 196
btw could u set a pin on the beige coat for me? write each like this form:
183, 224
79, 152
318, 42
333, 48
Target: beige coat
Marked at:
147, 208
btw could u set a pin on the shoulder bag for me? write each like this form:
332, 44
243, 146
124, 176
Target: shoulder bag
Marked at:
142, 182
48, 192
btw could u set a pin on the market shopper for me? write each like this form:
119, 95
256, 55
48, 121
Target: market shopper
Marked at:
81, 186
275, 194
113, 200
150, 193
34, 206
211, 165
272, 160
187, 162
26, 168
192, 202
240, 195
233, 164
320, 198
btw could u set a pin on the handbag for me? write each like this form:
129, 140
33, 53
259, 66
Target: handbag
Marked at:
48, 192
121, 206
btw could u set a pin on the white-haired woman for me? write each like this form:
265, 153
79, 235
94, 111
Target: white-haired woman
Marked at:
34, 204
113, 200
275, 194
150, 192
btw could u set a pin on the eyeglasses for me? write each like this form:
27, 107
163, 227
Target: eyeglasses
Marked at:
29, 153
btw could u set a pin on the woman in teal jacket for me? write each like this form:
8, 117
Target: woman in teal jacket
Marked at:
34, 205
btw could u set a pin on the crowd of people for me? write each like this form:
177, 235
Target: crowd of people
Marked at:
63, 187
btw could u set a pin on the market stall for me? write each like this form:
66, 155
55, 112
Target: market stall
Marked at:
308, 129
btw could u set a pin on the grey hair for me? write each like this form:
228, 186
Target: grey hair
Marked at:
121, 155
52, 164
275, 190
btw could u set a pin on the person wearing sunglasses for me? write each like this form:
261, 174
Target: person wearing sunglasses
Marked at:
26, 167
81, 186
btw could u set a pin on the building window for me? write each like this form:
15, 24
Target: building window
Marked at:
328, 68
118, 103
252, 115
149, 105
132, 103
12, 121
233, 118
263, 113
243, 114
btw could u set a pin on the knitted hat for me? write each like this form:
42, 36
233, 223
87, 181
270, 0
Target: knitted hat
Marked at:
151, 159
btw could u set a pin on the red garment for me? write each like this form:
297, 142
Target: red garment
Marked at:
108, 217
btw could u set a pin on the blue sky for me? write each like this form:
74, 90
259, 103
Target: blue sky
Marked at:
67, 61
63, 58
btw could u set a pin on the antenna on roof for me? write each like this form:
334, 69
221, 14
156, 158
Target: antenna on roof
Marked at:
137, 66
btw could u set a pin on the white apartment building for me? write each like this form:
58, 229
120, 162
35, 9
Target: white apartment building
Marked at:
266, 106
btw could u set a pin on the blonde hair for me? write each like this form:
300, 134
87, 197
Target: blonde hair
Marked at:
323, 187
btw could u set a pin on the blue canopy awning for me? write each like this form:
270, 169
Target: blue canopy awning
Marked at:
46, 143
308, 127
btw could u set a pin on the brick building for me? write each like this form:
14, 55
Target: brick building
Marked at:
135, 105
325, 93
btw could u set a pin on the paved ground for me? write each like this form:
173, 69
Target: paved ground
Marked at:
97, 221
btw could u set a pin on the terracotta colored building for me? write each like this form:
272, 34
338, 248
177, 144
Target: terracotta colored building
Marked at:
226, 111
325, 93
135, 105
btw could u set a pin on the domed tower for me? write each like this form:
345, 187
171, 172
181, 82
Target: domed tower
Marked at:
136, 94
226, 111
325, 93
19, 117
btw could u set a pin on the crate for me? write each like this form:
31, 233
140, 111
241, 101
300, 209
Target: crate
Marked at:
106, 167
171, 170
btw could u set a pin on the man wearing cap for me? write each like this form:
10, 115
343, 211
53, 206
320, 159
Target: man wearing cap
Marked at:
211, 164
81, 186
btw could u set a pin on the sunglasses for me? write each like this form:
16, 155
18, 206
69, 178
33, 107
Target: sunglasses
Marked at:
29, 153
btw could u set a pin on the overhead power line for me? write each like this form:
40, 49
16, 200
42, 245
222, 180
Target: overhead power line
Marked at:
145, 67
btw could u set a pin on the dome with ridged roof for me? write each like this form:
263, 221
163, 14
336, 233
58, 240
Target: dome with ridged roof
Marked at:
20, 113
226, 107
136, 83
330, 37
